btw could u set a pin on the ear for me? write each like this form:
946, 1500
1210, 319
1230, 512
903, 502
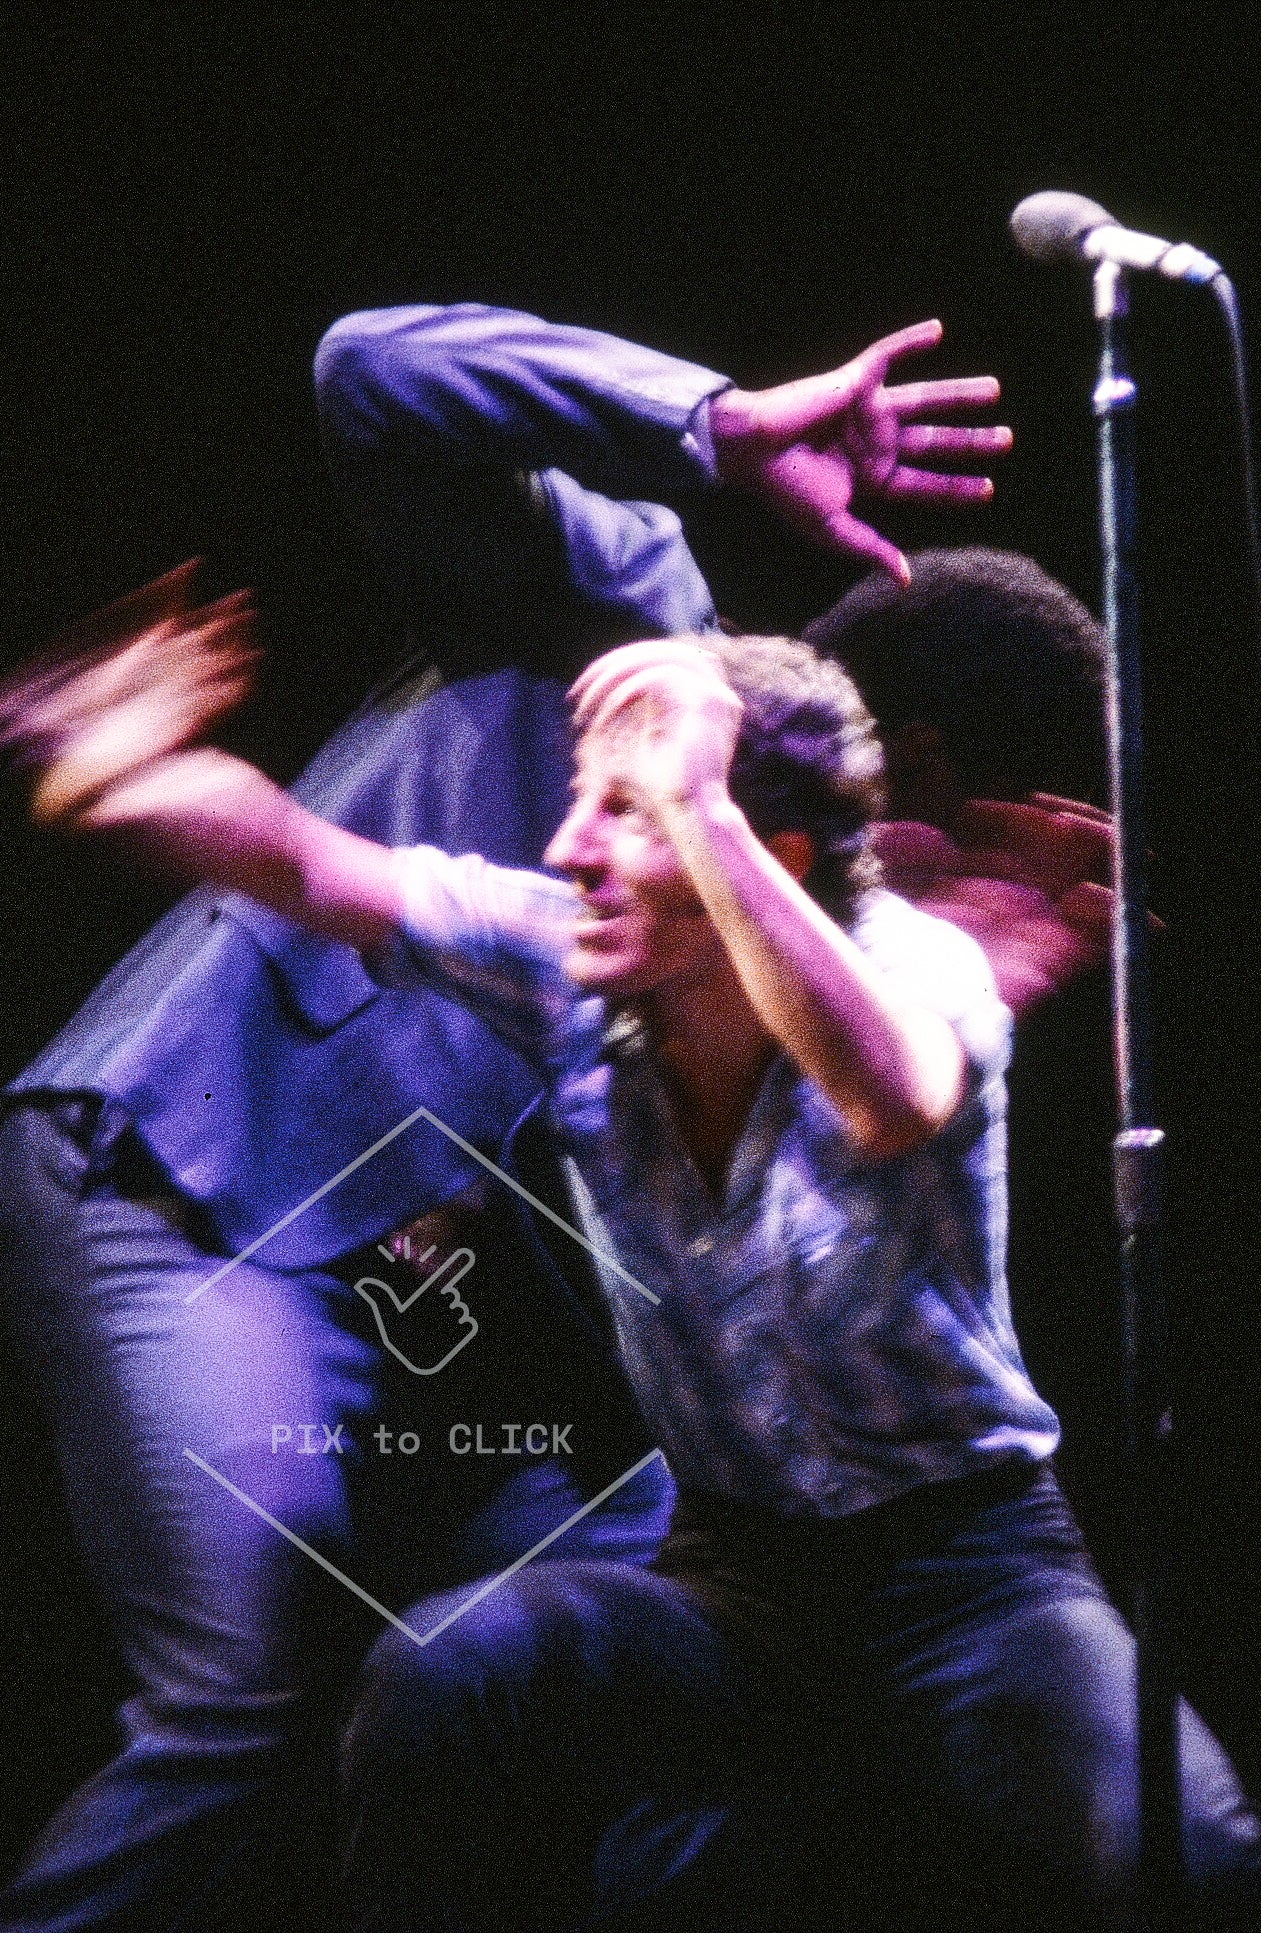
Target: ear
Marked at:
795, 852
921, 776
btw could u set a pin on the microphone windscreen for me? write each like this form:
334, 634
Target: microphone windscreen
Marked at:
1052, 226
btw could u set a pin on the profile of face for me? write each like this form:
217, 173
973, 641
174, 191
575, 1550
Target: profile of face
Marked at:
641, 925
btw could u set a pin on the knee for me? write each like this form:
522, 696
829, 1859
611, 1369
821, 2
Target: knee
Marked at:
436, 1760
457, 1680
1221, 1832
1061, 1774
427, 1686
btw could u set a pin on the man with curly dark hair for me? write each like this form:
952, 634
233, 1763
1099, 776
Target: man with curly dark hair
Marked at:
985, 674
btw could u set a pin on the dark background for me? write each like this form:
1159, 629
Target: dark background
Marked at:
187, 204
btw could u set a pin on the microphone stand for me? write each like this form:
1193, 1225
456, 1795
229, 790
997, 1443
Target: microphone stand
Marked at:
1138, 1148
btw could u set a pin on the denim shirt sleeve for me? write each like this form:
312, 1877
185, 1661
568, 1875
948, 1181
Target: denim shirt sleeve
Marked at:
490, 937
600, 435
474, 385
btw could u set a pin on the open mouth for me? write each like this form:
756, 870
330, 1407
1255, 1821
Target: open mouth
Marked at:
596, 926
600, 928
593, 913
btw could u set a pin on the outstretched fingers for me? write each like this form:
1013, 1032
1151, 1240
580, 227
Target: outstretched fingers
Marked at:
97, 639
1087, 907
218, 644
177, 669
186, 677
850, 534
905, 482
876, 359
92, 718
114, 655
866, 373
813, 403
946, 392
1053, 850
951, 439
1078, 809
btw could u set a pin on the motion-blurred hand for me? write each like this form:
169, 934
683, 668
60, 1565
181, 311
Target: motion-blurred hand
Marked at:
106, 726
1027, 881
122, 691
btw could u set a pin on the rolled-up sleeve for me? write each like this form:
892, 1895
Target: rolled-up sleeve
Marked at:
491, 937
933, 964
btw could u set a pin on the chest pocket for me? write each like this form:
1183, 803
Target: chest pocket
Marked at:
322, 981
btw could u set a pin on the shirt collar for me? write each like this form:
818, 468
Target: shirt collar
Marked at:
625, 1035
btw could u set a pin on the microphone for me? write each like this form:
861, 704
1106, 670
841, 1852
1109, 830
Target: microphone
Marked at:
1058, 227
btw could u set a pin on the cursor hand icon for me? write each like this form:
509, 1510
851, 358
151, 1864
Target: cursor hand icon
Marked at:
420, 1309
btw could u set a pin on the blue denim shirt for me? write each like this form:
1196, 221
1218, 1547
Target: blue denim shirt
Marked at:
221, 1037
830, 1332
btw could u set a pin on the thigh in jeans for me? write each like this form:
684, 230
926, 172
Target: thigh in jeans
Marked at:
137, 1370
561, 1747
1009, 1682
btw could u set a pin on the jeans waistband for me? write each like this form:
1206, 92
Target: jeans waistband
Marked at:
920, 1516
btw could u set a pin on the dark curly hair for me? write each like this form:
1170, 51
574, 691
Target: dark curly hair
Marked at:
807, 759
984, 645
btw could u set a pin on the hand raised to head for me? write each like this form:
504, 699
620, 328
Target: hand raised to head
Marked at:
669, 711
809, 448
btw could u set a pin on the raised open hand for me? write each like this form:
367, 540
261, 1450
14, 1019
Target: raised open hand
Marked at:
810, 447
1027, 881
141, 679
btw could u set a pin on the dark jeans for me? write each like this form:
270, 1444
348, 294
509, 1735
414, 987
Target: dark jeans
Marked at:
237, 1642
923, 1719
